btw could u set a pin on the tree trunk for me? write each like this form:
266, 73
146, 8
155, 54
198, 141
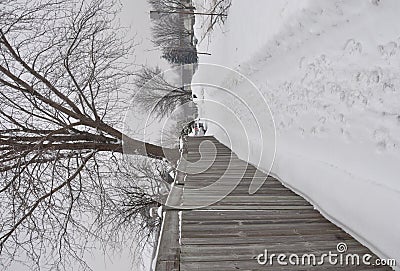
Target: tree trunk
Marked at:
133, 146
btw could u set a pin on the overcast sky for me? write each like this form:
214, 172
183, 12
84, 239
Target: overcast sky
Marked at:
135, 14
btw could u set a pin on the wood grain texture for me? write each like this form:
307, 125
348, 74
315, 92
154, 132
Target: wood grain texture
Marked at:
231, 233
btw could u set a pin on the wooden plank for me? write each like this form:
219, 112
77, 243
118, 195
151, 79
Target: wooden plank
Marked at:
253, 265
245, 204
258, 230
259, 198
265, 215
250, 254
196, 205
246, 240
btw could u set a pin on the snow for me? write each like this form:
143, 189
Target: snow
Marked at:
330, 74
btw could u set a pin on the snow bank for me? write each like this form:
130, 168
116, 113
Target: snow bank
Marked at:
330, 71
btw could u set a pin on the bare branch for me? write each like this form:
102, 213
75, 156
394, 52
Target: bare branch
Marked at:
64, 80
156, 94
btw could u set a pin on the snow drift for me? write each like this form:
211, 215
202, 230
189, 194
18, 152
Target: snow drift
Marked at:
330, 72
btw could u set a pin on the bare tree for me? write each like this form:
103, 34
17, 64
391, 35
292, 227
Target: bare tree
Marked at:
169, 5
138, 186
170, 31
64, 74
219, 10
158, 95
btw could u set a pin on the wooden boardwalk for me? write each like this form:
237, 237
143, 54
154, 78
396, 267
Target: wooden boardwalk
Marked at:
229, 234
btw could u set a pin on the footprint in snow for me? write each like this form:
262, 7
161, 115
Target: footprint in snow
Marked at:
375, 2
318, 129
375, 76
388, 50
345, 134
301, 62
388, 87
353, 47
341, 118
381, 137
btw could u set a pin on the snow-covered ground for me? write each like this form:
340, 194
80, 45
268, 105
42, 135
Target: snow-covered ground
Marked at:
330, 72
